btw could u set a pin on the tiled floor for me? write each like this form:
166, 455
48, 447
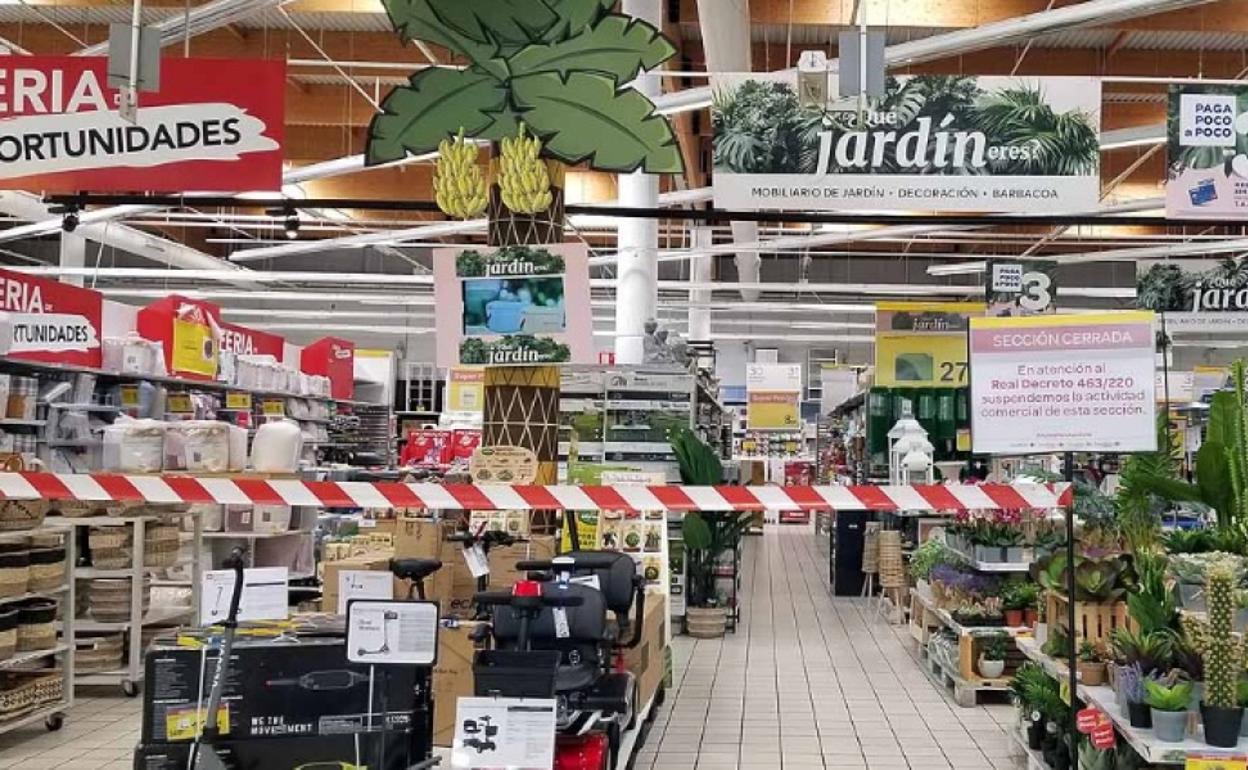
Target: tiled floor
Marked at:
807, 682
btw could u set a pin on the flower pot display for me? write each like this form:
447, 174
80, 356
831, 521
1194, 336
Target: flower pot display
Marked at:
1014, 554
1031, 618
986, 553
706, 622
1169, 726
991, 669
1222, 725
1014, 618
1092, 674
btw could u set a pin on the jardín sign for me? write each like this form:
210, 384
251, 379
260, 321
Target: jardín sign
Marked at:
214, 124
932, 142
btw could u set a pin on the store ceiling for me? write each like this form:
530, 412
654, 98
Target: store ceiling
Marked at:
342, 57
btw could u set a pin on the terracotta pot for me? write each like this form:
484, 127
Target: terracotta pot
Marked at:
1092, 674
1014, 618
706, 622
1030, 617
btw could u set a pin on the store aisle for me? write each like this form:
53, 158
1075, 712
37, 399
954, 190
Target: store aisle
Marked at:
810, 681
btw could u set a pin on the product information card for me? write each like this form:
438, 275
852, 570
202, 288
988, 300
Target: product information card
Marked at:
504, 732
1063, 383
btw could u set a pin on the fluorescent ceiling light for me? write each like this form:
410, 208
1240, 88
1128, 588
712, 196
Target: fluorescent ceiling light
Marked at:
965, 268
389, 300
232, 276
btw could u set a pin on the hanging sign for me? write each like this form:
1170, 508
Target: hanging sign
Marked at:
250, 342
773, 396
188, 330
1208, 301
333, 358
45, 320
931, 143
514, 306
1063, 383
1207, 147
922, 344
214, 124
1020, 288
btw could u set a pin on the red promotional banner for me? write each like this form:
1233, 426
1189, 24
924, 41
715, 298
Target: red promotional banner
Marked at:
214, 125
250, 342
333, 358
49, 320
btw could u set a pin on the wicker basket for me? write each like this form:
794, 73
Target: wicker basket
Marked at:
18, 515
49, 687
14, 574
110, 599
99, 653
46, 538
8, 631
47, 569
110, 547
36, 625
160, 545
17, 695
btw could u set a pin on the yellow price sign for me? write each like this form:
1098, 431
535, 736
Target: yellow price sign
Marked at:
129, 396
1204, 762
922, 344
234, 400
179, 403
184, 724
1063, 690
273, 407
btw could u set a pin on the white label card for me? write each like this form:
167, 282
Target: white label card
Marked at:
504, 732
363, 584
477, 562
265, 595
392, 632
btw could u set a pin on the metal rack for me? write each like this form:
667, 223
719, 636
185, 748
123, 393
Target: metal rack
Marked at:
130, 676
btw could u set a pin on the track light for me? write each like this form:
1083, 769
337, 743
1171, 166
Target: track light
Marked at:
70, 221
292, 226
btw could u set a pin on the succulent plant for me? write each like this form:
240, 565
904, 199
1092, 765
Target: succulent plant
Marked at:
1221, 655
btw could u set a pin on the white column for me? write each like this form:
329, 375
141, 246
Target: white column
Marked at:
725, 28
701, 271
73, 254
637, 293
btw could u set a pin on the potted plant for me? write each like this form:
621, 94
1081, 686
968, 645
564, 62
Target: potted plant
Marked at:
1091, 664
1013, 602
1220, 711
1168, 700
1241, 692
992, 654
1028, 595
707, 535
1130, 683
1035, 692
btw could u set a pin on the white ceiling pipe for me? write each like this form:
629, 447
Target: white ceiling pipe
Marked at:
198, 20
992, 35
219, 274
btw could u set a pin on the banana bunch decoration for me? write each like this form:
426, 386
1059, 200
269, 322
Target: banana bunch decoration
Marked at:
523, 179
459, 186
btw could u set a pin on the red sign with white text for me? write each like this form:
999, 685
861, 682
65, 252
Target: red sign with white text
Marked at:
250, 342
50, 321
333, 358
214, 125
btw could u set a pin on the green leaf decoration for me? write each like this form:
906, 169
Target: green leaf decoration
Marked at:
574, 16
1223, 413
437, 104
1213, 478
695, 532
617, 46
497, 21
586, 118
417, 20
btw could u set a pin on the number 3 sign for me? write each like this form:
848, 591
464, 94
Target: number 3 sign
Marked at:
1021, 288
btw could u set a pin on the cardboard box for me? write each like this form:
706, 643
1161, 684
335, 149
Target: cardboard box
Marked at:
377, 561
330, 751
418, 537
646, 660
452, 678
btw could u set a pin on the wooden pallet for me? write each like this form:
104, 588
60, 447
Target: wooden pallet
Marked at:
965, 692
1093, 621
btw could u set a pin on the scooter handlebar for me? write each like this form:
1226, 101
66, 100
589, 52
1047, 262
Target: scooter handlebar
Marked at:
507, 599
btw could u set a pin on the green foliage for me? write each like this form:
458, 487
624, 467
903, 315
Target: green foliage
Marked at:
995, 646
707, 536
1152, 650
1138, 505
932, 554
1241, 691
1100, 579
699, 465
761, 127
1058, 644
516, 349
1092, 758
1163, 697
1152, 605
560, 66
1019, 595
1088, 652
471, 263
1065, 144
1189, 541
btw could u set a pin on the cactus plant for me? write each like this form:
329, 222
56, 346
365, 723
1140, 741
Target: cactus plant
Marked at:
1220, 649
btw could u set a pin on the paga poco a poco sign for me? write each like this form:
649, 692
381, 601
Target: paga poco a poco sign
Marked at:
214, 124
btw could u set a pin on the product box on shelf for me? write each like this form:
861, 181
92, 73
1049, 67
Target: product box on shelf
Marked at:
647, 660
275, 690
187, 329
375, 751
333, 358
371, 562
452, 677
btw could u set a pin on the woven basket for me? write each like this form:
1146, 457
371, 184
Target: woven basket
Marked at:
22, 514
36, 636
160, 545
891, 565
110, 600
46, 575
14, 574
47, 539
8, 643
80, 509
871, 551
17, 695
110, 547
49, 687
99, 653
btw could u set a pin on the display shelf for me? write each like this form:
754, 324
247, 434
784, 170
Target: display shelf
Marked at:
8, 422
1031, 648
994, 566
946, 619
21, 658
34, 594
1035, 760
254, 535
51, 713
965, 690
154, 616
81, 407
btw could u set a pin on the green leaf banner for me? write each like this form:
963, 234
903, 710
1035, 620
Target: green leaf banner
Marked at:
437, 104
617, 46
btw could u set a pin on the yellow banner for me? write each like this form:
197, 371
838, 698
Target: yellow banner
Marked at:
234, 400
922, 344
129, 396
586, 533
773, 410
178, 403
194, 349
1216, 763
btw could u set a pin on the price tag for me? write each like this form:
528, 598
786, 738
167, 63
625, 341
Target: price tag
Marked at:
237, 400
1206, 762
477, 563
1103, 737
273, 407
562, 629
178, 403
1064, 690
130, 396
1088, 720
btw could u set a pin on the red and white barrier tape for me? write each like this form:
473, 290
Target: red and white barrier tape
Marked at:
105, 487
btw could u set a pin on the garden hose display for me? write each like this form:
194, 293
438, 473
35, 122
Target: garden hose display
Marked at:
459, 185
522, 179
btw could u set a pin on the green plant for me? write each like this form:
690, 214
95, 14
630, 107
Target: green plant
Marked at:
1152, 605
707, 535
930, 555
1221, 656
1092, 758
699, 465
1057, 645
995, 646
1150, 650
1088, 653
1019, 595
1176, 696
1186, 541
1028, 679
1241, 691
1138, 505
561, 67
1100, 579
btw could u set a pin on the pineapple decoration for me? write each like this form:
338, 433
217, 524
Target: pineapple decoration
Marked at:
1221, 658
458, 184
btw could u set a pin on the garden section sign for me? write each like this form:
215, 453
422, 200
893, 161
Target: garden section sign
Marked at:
1209, 301
932, 143
513, 306
1063, 383
1207, 148
922, 344
214, 124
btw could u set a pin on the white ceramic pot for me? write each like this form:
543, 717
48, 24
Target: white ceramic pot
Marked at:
991, 669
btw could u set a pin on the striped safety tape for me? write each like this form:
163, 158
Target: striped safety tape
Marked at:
241, 490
